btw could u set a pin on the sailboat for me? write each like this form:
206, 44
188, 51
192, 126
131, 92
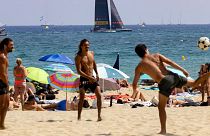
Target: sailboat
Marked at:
143, 24
2, 30
102, 20
44, 25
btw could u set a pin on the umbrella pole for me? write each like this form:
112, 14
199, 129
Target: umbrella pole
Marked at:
66, 97
103, 85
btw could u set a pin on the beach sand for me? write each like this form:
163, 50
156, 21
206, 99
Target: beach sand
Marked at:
118, 120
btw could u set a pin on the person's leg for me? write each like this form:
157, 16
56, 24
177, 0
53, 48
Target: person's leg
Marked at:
203, 87
208, 87
137, 96
162, 113
198, 81
134, 95
51, 106
4, 104
98, 95
22, 93
142, 97
16, 93
81, 101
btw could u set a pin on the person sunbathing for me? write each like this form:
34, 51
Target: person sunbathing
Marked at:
138, 96
63, 105
32, 105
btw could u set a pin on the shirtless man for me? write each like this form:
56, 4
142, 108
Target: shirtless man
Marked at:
152, 64
6, 46
85, 64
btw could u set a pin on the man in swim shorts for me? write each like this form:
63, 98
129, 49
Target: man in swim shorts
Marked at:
85, 64
153, 65
6, 46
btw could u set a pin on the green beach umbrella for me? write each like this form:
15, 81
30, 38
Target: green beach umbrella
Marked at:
37, 74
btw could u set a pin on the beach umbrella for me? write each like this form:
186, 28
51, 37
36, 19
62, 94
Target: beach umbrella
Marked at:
64, 81
109, 84
176, 71
145, 77
107, 71
37, 74
58, 68
68, 82
59, 58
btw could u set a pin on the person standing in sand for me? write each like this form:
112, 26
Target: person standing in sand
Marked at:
20, 74
6, 46
85, 64
153, 65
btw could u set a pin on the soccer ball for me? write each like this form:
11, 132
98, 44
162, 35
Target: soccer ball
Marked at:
203, 43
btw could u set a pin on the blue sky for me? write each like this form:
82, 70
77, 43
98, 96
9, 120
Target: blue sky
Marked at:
81, 12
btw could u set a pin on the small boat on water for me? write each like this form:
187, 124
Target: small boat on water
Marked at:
3, 30
44, 24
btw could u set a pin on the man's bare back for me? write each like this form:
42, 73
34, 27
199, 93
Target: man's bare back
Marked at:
153, 66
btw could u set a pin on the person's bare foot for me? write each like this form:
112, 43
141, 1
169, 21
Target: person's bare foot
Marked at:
99, 119
162, 132
2, 127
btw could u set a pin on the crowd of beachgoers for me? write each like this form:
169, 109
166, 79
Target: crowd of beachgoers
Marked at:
41, 97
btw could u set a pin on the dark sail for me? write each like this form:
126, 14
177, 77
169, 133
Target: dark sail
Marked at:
101, 15
117, 62
116, 22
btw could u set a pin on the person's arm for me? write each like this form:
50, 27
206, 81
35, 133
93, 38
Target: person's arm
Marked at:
39, 108
25, 71
14, 73
30, 91
173, 64
136, 78
95, 68
79, 71
3, 71
27, 96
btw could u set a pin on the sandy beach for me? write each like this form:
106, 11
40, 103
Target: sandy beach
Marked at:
118, 120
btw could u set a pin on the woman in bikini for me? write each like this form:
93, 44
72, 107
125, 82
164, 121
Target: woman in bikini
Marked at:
20, 74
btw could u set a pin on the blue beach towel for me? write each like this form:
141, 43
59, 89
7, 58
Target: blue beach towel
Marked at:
61, 105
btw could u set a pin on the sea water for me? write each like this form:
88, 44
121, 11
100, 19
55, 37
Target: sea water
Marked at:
173, 41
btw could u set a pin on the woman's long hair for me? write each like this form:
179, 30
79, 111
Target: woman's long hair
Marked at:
80, 48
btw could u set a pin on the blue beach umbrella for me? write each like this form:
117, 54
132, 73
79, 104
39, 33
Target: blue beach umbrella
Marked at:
145, 77
59, 58
58, 68
176, 71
